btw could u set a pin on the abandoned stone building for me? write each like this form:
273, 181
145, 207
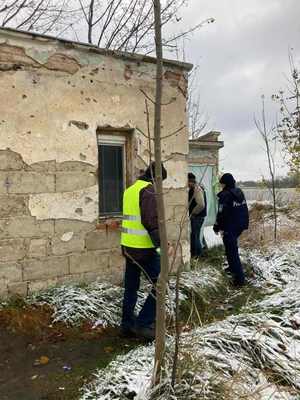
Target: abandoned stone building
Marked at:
73, 135
203, 160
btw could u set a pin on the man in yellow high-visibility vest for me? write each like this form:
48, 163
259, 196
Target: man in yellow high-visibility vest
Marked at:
140, 246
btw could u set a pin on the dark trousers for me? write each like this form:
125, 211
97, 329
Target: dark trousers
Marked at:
196, 225
230, 240
146, 317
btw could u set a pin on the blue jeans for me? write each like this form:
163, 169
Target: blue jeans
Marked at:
230, 240
146, 317
196, 225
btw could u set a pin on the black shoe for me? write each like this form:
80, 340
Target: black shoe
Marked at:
227, 271
147, 333
127, 332
238, 284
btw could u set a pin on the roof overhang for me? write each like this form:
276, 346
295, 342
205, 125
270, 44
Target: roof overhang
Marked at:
93, 49
208, 141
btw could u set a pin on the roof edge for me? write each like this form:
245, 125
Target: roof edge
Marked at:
89, 47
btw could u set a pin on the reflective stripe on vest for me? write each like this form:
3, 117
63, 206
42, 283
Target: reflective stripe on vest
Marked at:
138, 232
134, 233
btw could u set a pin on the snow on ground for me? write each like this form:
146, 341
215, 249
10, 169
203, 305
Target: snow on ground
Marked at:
211, 238
98, 302
123, 383
101, 303
252, 355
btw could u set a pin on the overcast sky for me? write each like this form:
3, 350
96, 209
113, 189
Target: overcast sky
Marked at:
243, 55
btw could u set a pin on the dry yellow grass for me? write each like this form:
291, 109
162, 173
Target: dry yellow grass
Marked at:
261, 229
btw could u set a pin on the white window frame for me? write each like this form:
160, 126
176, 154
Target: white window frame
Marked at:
118, 141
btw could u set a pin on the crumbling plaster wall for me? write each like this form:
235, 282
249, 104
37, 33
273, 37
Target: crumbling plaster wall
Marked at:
54, 96
203, 156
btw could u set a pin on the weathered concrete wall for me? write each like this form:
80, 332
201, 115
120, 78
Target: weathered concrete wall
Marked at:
204, 156
54, 98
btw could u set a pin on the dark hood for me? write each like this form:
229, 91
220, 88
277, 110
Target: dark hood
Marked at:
237, 194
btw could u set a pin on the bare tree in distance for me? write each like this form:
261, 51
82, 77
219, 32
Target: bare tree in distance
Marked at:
44, 16
288, 128
198, 120
267, 135
124, 25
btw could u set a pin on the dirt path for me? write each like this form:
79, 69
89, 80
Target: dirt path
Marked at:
72, 355
70, 359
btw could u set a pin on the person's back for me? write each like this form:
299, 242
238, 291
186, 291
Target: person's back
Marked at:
140, 241
232, 219
197, 213
233, 210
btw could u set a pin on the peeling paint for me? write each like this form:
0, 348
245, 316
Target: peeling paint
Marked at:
16, 58
79, 124
177, 174
58, 98
64, 205
66, 237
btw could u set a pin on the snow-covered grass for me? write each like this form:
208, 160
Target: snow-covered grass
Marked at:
126, 376
253, 355
101, 303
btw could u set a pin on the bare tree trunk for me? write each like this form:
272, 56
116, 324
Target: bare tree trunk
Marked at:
163, 277
267, 138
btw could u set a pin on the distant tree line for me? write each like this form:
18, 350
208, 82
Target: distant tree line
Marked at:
290, 181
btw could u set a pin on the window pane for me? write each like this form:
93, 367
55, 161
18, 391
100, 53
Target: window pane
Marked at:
110, 179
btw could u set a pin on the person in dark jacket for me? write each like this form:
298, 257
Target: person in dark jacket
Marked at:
232, 220
140, 242
197, 213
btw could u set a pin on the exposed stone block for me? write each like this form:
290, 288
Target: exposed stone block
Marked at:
113, 238
71, 181
116, 261
86, 277
63, 63
30, 182
89, 261
12, 249
169, 213
65, 225
27, 227
3, 183
19, 288
37, 286
75, 166
9, 160
11, 272
44, 166
96, 240
173, 230
75, 244
176, 197
44, 268
3, 288
38, 248
13, 205
181, 212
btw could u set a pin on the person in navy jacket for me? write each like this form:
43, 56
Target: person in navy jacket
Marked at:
232, 219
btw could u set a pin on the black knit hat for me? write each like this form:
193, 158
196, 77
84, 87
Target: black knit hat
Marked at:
191, 177
228, 180
150, 171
